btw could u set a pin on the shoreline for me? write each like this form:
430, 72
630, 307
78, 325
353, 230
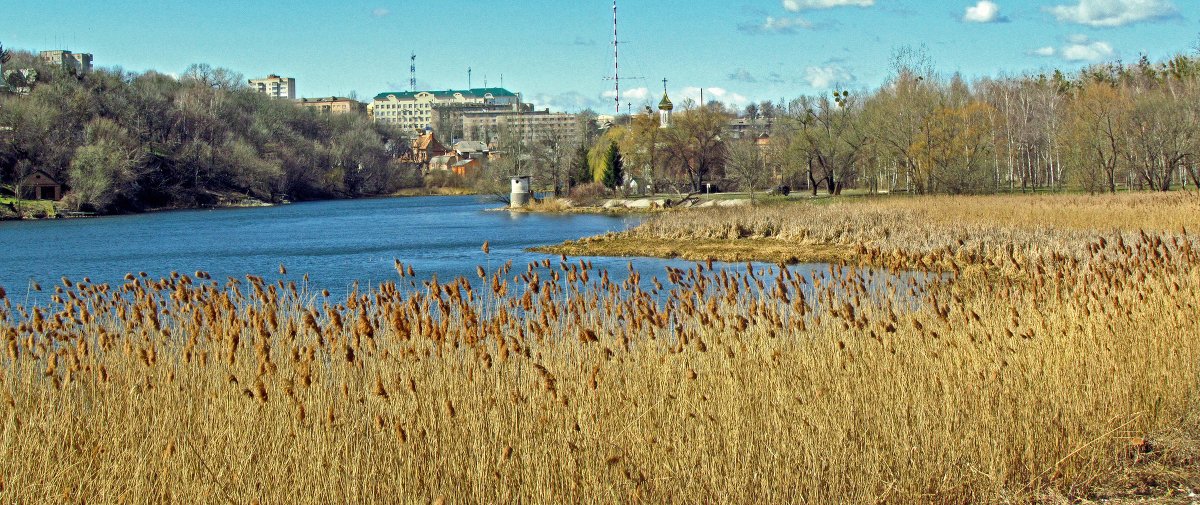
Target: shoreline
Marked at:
242, 204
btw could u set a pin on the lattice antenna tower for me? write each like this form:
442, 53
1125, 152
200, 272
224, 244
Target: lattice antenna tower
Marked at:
616, 77
412, 72
616, 62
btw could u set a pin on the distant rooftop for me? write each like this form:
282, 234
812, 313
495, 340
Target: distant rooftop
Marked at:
449, 93
326, 99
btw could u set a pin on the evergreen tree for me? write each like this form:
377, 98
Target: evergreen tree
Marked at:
581, 169
613, 174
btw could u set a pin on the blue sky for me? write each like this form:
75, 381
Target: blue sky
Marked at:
558, 52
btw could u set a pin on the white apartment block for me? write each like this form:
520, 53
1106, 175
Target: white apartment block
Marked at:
413, 110
531, 126
275, 86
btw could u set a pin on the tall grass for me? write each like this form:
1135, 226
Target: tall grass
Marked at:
909, 228
1044, 376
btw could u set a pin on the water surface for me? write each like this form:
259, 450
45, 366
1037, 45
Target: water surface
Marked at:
336, 242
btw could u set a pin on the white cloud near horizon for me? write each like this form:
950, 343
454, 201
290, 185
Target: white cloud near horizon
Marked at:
636, 93
1079, 48
825, 77
800, 5
1109, 13
381, 12
571, 101
711, 93
985, 11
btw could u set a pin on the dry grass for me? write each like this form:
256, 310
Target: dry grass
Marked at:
699, 249
555, 384
899, 232
435, 191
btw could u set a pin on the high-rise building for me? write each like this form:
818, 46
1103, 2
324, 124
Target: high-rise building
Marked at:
77, 63
275, 86
414, 110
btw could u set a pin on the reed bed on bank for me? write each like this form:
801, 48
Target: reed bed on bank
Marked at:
897, 231
1045, 377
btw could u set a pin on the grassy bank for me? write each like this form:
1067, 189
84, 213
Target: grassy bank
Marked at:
1076, 377
11, 208
702, 249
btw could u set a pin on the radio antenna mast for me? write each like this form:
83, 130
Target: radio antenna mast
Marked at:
412, 72
616, 62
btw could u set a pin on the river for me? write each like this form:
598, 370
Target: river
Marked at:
336, 243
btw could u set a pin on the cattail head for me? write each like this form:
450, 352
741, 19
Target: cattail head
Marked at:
380, 391
487, 248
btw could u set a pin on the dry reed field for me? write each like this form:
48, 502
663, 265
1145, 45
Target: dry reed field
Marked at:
912, 232
1064, 367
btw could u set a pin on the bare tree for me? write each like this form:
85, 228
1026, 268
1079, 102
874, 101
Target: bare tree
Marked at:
747, 165
693, 147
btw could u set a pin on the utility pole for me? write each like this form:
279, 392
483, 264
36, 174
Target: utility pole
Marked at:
468, 77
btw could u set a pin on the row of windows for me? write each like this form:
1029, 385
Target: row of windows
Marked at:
403, 106
401, 113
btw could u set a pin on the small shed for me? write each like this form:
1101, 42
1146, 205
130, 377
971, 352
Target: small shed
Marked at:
40, 186
467, 168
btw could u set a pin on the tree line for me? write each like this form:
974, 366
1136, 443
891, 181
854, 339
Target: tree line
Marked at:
124, 141
1106, 128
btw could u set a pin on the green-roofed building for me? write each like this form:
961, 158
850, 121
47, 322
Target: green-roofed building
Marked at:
414, 110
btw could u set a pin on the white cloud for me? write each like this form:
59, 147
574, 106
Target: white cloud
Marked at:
799, 5
381, 12
727, 96
571, 101
1113, 12
1088, 51
1078, 48
777, 25
636, 93
714, 93
827, 76
983, 12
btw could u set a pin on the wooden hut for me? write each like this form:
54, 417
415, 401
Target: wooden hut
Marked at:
39, 185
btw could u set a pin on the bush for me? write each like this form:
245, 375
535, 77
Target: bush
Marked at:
592, 193
444, 179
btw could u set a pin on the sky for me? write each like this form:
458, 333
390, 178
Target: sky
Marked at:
558, 53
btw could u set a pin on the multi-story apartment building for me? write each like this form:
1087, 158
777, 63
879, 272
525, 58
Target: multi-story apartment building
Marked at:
275, 86
414, 110
77, 63
335, 105
531, 126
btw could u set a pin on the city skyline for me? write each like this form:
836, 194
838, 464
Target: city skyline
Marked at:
559, 56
